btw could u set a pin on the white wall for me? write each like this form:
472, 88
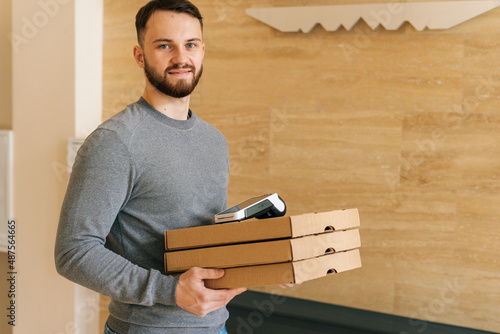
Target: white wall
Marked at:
5, 124
44, 116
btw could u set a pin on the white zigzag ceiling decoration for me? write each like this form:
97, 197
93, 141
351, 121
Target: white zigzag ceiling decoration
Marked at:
421, 15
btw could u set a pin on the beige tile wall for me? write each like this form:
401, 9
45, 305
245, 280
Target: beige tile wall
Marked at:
403, 125
6, 66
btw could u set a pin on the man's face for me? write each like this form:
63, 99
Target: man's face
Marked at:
173, 53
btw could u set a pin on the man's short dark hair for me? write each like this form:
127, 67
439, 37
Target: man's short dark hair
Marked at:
178, 6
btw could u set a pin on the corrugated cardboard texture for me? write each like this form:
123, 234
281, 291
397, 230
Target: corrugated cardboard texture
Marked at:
288, 272
262, 252
230, 233
257, 230
326, 243
306, 270
229, 256
319, 222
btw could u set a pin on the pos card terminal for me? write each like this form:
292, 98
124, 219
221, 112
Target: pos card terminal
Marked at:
263, 206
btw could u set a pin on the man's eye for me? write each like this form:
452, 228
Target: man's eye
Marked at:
164, 46
191, 45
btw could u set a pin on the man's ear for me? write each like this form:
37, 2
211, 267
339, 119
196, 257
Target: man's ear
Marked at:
139, 56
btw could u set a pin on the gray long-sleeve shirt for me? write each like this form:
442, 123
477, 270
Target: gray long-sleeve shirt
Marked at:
139, 174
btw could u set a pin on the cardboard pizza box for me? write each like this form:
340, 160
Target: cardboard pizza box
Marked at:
261, 229
274, 251
287, 272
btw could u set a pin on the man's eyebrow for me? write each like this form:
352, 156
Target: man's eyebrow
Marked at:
166, 40
162, 40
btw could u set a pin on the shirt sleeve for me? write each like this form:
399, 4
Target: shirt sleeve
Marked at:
100, 185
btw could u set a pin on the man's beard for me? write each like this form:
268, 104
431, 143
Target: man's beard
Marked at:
178, 90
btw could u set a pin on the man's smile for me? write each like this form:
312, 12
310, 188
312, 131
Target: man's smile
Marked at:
180, 72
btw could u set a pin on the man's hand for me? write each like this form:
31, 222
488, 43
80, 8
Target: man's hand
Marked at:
192, 295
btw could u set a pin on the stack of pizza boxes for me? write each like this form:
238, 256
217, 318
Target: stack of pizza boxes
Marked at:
257, 252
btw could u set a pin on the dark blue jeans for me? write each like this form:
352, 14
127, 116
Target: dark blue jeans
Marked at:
108, 330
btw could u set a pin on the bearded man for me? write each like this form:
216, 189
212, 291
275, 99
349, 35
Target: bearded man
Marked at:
152, 167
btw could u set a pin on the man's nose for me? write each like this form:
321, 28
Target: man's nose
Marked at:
180, 56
